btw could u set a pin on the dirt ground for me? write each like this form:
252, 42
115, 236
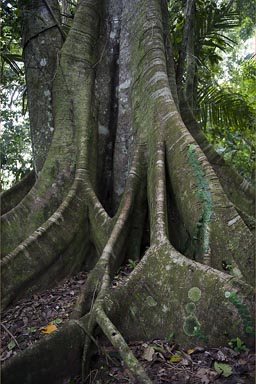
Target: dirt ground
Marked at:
31, 318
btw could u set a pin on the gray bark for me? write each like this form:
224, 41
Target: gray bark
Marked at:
42, 41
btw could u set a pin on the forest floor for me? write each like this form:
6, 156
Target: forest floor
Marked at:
31, 318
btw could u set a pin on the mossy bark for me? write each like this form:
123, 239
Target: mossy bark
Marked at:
12, 197
66, 219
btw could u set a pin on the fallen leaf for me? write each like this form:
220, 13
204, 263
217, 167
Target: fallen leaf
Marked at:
49, 329
148, 353
159, 349
190, 351
202, 374
6, 356
175, 359
184, 362
11, 345
221, 356
223, 369
187, 357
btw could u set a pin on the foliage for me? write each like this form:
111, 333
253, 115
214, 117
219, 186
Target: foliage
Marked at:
15, 148
228, 116
238, 345
211, 22
16, 156
200, 335
11, 53
132, 263
223, 369
223, 99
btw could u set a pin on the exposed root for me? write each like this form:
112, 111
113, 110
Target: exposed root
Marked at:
168, 292
99, 279
157, 194
112, 250
12, 197
20, 267
52, 359
238, 190
121, 346
72, 105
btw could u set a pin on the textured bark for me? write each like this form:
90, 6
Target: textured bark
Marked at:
12, 197
185, 44
42, 41
238, 190
122, 163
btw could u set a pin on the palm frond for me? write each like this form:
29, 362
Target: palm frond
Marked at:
11, 59
211, 24
221, 107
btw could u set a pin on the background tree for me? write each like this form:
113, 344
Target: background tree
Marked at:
126, 158
15, 144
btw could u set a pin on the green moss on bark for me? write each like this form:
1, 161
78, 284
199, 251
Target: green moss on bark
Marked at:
204, 195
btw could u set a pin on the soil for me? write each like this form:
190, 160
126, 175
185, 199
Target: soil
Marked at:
29, 319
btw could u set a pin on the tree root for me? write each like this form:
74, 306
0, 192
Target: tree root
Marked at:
117, 340
20, 267
169, 293
238, 190
111, 254
51, 359
12, 197
166, 293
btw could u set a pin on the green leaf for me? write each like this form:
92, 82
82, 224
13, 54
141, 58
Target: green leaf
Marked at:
176, 358
57, 321
11, 345
223, 369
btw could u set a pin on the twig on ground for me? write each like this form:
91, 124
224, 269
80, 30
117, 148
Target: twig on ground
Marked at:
10, 334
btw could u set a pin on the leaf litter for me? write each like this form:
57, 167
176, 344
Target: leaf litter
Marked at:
167, 362
31, 318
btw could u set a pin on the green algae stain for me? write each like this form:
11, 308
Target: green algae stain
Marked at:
243, 312
190, 308
150, 301
194, 294
204, 194
190, 325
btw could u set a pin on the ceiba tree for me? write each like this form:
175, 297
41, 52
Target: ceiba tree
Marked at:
122, 171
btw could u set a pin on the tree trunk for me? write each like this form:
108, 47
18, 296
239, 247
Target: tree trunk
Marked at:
42, 41
121, 153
